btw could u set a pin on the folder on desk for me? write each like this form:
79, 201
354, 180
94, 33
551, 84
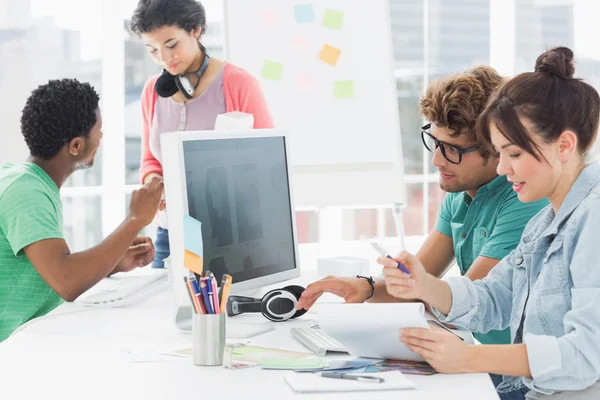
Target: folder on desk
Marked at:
373, 330
315, 383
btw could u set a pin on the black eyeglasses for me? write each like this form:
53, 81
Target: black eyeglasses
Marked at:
450, 152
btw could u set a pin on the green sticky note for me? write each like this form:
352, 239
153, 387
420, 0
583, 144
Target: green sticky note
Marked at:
333, 19
292, 363
344, 89
272, 70
245, 350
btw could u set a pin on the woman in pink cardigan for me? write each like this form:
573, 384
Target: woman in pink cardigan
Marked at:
192, 90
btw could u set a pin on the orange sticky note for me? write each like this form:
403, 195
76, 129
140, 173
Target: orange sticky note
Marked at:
193, 262
330, 55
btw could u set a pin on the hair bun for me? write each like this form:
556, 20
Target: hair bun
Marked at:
557, 61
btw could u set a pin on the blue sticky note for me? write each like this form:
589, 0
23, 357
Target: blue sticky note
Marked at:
192, 235
304, 13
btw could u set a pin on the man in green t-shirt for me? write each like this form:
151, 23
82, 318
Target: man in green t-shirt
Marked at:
481, 219
62, 126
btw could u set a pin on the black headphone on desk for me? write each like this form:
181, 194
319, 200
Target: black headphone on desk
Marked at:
277, 305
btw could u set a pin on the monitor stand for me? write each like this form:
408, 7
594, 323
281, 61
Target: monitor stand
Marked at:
233, 329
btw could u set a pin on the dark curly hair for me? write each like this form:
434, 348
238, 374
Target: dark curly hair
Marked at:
456, 101
153, 14
56, 113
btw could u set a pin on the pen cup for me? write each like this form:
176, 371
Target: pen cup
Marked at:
208, 335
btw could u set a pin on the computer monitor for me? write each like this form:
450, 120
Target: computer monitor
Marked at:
237, 184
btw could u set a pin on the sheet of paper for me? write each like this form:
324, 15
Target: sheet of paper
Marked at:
304, 13
372, 330
272, 70
292, 363
333, 19
257, 353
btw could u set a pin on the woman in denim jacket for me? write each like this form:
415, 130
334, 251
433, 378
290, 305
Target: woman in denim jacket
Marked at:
547, 290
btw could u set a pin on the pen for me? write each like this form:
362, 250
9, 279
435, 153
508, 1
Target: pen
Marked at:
444, 328
215, 298
190, 291
207, 303
384, 253
360, 378
198, 295
224, 291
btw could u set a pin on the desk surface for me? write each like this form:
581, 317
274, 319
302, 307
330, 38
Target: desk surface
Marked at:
79, 353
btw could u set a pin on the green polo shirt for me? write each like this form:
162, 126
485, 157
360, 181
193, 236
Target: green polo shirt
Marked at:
489, 225
30, 211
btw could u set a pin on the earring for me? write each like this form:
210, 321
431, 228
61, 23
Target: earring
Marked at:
73, 154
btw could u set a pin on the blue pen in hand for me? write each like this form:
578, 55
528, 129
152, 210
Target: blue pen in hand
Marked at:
384, 253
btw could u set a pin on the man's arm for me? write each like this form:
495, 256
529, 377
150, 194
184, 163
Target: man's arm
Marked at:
69, 275
436, 255
481, 267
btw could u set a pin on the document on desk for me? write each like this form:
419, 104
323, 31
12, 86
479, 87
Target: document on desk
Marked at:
373, 330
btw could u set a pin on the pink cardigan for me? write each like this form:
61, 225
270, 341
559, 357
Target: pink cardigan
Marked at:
242, 93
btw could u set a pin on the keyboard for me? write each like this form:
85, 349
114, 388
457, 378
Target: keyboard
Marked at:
123, 289
317, 341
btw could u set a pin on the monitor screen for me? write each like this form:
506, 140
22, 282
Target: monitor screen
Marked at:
238, 189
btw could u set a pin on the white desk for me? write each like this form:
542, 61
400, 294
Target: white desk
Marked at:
74, 354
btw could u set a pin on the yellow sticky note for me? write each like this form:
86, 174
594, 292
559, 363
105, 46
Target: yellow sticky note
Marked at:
330, 55
272, 70
333, 19
193, 262
344, 89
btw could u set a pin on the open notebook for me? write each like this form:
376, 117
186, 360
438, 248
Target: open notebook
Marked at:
314, 383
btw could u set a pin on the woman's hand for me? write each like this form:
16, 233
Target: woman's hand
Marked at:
400, 284
442, 350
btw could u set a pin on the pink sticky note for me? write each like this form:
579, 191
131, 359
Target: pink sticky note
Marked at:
305, 83
270, 19
300, 44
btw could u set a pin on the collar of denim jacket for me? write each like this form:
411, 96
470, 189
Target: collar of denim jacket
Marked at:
587, 180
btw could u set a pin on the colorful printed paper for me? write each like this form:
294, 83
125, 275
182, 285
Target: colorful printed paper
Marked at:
344, 89
330, 55
333, 19
304, 13
272, 70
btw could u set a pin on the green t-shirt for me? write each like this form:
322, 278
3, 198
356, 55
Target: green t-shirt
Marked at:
489, 225
30, 211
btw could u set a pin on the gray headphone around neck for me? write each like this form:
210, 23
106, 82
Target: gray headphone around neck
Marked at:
167, 85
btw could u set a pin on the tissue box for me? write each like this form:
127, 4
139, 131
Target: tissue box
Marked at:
233, 121
342, 266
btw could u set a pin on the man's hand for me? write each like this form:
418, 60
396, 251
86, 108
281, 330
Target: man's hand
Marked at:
139, 254
353, 290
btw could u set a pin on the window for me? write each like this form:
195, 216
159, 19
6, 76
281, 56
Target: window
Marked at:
89, 40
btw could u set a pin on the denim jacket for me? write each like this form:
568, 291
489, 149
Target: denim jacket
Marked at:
552, 282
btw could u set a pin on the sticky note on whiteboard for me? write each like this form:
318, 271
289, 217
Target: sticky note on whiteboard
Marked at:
344, 89
305, 83
333, 19
330, 55
272, 70
304, 13
270, 19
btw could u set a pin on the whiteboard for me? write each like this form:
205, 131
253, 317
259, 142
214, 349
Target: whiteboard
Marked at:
326, 69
